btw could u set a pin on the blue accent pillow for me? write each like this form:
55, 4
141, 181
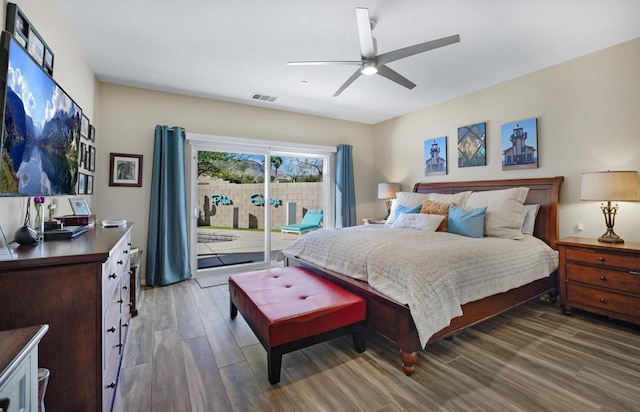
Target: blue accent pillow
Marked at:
466, 222
407, 209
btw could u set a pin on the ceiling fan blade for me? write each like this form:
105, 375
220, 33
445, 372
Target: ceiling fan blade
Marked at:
350, 80
367, 49
416, 49
394, 76
326, 63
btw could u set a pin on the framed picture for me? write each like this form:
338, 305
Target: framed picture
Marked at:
89, 185
435, 156
125, 170
48, 60
82, 156
82, 183
520, 144
92, 133
472, 150
79, 205
36, 47
84, 127
92, 158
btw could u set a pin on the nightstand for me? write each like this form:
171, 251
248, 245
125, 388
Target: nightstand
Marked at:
602, 278
374, 221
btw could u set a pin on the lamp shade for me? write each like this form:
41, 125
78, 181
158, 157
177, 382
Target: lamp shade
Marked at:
611, 186
388, 190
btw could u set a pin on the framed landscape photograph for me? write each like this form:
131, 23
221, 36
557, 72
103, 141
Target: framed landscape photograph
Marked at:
84, 127
82, 183
89, 185
92, 133
125, 170
435, 156
520, 144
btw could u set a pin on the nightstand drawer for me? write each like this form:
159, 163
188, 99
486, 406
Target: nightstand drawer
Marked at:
604, 300
599, 258
606, 278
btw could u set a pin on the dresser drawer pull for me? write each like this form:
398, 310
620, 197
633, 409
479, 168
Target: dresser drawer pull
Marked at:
113, 276
603, 278
120, 301
111, 329
125, 251
119, 345
120, 262
600, 258
111, 385
633, 272
125, 287
603, 300
125, 325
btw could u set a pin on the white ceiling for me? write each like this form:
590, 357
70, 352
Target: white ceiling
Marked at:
229, 50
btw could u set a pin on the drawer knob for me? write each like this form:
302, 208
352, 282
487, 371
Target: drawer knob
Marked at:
603, 300
112, 276
603, 278
111, 329
119, 345
120, 301
120, 262
111, 385
600, 258
125, 251
125, 287
126, 325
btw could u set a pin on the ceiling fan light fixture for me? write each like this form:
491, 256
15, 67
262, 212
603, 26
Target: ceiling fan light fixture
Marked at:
369, 68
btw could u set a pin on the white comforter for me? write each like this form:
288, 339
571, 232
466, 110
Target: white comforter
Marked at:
434, 273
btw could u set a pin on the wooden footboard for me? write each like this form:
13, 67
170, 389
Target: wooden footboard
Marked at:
393, 321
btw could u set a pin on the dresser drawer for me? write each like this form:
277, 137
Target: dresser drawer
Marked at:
624, 281
111, 330
604, 300
602, 258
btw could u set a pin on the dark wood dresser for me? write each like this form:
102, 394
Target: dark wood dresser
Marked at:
80, 288
598, 277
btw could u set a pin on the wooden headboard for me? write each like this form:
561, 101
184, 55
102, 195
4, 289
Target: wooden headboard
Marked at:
542, 191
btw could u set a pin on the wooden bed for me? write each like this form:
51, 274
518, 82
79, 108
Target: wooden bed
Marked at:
392, 319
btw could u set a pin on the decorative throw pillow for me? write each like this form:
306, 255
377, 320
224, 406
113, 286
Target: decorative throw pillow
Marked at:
413, 199
436, 208
406, 209
468, 223
419, 221
458, 199
505, 211
530, 214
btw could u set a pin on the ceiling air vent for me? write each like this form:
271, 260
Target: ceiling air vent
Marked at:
263, 97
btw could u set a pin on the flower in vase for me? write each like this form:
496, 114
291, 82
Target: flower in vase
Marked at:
38, 199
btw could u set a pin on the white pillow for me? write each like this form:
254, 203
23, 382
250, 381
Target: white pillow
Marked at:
530, 213
505, 211
413, 199
419, 221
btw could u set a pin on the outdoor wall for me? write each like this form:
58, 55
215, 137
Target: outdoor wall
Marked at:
587, 111
307, 195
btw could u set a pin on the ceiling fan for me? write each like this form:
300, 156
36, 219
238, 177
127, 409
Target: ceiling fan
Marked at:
370, 63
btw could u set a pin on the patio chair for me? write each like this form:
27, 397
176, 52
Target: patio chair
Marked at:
312, 220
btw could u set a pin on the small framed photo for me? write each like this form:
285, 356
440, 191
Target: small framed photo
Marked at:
84, 127
92, 159
89, 184
125, 170
36, 47
48, 60
435, 156
92, 133
82, 183
83, 155
79, 205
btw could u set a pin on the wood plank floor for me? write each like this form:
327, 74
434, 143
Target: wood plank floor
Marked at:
184, 354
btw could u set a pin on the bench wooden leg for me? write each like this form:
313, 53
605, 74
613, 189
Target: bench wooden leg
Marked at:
359, 338
233, 311
274, 365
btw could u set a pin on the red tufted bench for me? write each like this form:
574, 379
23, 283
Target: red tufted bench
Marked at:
290, 308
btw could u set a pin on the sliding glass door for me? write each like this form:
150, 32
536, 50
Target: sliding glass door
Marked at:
242, 195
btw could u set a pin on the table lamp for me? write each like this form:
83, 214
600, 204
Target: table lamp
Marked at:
387, 191
607, 187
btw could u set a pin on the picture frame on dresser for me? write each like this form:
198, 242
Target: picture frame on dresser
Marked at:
79, 206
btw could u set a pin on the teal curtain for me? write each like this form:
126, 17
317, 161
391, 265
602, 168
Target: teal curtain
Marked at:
168, 241
345, 207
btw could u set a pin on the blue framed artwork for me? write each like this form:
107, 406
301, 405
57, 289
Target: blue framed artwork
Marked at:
435, 156
472, 149
520, 144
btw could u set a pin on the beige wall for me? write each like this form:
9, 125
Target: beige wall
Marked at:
73, 74
587, 112
129, 115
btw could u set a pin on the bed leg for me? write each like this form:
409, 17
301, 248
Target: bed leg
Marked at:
409, 362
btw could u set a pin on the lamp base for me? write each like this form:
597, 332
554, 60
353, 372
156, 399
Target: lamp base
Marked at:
610, 237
